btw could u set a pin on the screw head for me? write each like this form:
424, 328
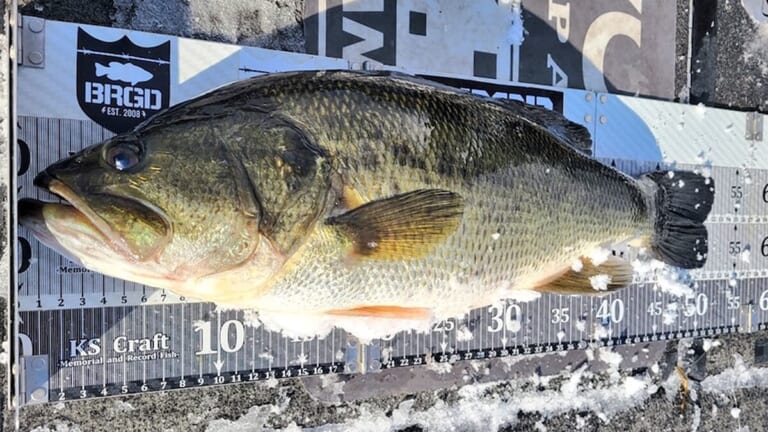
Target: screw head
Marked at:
35, 57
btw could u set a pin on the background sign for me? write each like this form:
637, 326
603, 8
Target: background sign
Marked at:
602, 45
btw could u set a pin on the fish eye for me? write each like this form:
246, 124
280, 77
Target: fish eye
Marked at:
123, 156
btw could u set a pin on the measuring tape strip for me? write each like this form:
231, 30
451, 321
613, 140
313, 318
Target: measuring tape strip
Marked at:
103, 336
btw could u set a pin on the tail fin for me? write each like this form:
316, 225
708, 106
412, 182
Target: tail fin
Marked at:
683, 201
101, 70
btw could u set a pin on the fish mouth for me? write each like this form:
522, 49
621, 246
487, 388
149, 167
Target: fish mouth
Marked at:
34, 215
49, 221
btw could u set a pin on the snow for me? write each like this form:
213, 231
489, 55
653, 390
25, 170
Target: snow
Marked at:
516, 31
464, 334
523, 295
57, 426
708, 344
599, 256
581, 325
669, 316
255, 419
4, 353
668, 279
738, 376
610, 357
696, 422
440, 368
490, 406
577, 265
600, 282
601, 332
700, 110
745, 255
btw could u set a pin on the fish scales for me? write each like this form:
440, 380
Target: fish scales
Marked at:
521, 185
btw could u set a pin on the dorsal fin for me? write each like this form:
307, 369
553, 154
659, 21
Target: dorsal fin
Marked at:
572, 134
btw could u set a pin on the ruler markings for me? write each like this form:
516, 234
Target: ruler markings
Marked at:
49, 283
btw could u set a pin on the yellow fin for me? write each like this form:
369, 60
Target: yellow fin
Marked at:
398, 312
402, 226
350, 198
611, 275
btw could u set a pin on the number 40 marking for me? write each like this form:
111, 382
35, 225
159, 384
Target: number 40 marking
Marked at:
613, 311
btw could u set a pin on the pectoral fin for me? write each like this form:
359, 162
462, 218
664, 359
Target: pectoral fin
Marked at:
611, 275
403, 226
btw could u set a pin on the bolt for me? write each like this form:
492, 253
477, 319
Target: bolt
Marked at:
38, 364
39, 394
603, 119
588, 118
36, 25
603, 98
35, 57
588, 97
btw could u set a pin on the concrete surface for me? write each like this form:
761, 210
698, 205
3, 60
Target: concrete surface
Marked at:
732, 79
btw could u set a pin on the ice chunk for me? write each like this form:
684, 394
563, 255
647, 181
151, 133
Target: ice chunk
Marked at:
735, 412
600, 282
577, 265
599, 256
464, 334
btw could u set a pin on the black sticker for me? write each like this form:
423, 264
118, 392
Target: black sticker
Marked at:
120, 84
346, 28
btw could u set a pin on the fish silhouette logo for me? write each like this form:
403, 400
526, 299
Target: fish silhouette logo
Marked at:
120, 83
125, 72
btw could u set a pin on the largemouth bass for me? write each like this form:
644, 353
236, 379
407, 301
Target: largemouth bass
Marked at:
361, 194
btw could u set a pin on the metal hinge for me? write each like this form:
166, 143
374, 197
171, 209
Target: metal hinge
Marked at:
32, 44
34, 379
362, 358
754, 127
748, 318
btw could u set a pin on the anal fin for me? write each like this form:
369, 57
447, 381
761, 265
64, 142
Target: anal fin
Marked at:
611, 275
384, 311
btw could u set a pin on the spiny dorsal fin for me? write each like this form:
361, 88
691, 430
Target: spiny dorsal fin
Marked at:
570, 133
612, 274
408, 225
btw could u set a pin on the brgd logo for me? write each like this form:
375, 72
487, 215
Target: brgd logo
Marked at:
119, 83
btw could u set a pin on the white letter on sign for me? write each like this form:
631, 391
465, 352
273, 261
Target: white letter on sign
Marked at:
561, 14
559, 77
599, 34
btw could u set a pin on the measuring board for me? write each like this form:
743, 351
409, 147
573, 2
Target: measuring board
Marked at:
79, 334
